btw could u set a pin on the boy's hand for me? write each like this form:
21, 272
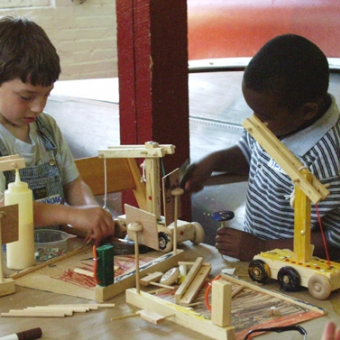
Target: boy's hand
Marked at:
96, 220
196, 175
238, 244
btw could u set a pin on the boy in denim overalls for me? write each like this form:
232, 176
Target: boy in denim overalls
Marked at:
29, 67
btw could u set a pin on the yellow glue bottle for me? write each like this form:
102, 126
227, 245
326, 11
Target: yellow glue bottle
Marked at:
20, 254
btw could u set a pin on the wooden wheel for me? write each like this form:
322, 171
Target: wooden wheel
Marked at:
289, 279
258, 271
165, 241
319, 287
170, 277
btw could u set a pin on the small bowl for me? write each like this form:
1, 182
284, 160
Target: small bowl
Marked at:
50, 243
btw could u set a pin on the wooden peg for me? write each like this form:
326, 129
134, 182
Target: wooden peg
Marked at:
176, 193
135, 228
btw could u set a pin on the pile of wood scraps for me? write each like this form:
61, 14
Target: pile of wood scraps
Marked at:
191, 283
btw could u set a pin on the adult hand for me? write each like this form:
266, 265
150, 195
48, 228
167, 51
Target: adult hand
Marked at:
238, 244
330, 332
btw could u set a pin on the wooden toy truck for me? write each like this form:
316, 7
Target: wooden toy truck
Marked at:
299, 267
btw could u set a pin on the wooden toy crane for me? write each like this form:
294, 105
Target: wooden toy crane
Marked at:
152, 152
297, 268
8, 223
169, 230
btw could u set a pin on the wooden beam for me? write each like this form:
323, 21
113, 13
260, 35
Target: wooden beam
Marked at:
287, 161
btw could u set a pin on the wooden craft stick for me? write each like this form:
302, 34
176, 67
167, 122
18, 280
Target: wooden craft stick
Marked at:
189, 263
34, 313
52, 261
153, 277
89, 305
272, 293
61, 309
65, 311
188, 279
162, 285
88, 272
195, 286
237, 290
158, 291
194, 304
84, 272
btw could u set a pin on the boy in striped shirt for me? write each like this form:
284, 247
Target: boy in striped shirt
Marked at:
286, 85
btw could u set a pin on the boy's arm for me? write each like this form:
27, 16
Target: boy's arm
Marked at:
78, 193
82, 212
244, 246
231, 161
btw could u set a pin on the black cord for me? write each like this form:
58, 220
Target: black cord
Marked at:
300, 329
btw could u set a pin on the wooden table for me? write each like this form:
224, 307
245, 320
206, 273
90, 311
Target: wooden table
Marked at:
98, 325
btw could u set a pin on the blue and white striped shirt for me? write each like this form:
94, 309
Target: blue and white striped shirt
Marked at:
268, 211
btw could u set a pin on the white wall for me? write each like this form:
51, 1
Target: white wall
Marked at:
84, 34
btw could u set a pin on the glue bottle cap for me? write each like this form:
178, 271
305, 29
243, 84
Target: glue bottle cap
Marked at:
17, 185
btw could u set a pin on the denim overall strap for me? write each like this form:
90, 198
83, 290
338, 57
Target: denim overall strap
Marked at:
44, 180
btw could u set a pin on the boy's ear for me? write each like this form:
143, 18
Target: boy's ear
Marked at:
310, 110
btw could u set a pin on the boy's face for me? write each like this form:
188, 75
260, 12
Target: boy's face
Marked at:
21, 103
280, 121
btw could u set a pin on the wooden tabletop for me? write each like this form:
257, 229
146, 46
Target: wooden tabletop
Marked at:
97, 324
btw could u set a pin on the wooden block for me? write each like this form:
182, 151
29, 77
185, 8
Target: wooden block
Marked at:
153, 277
10, 224
221, 303
11, 162
153, 317
195, 286
188, 279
